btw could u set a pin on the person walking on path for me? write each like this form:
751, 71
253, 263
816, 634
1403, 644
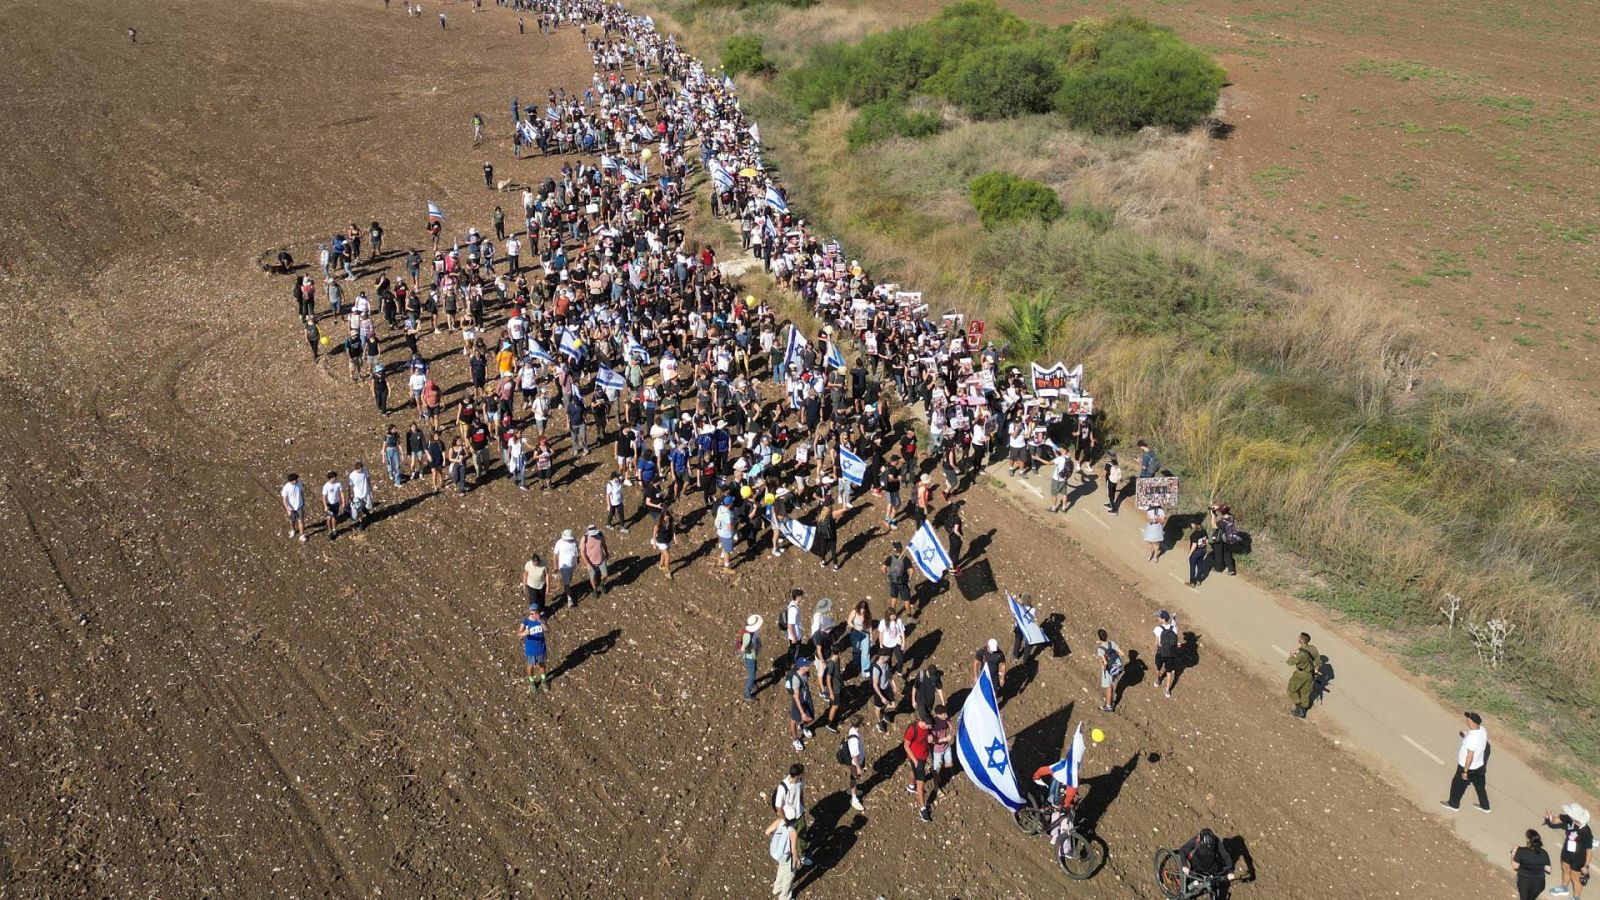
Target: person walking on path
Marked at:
1113, 473
1060, 471
1167, 641
1111, 667
332, 503
852, 755
293, 494
1199, 544
1532, 864
750, 653
534, 578
1471, 758
1302, 683
1224, 537
535, 647
1576, 844
596, 555
1155, 530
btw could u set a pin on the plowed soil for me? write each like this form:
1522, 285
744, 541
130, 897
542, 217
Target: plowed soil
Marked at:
198, 706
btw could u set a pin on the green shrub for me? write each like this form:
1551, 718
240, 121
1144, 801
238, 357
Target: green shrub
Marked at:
890, 118
1000, 197
1002, 82
744, 54
1131, 74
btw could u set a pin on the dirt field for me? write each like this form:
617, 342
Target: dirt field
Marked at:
199, 706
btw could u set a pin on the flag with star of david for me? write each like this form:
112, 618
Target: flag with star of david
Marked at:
981, 744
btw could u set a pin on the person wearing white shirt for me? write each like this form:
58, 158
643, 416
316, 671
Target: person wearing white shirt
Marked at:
822, 625
1471, 758
293, 495
332, 502
789, 801
892, 637
360, 495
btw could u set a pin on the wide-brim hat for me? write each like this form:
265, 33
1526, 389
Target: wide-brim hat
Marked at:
825, 605
1576, 813
566, 534
754, 623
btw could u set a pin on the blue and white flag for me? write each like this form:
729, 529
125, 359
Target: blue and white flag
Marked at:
835, 358
798, 533
981, 745
775, 199
529, 136
435, 214
572, 346
928, 553
792, 349
852, 467
630, 175
537, 351
635, 350
553, 114
1066, 771
721, 176
608, 163
1031, 632
610, 380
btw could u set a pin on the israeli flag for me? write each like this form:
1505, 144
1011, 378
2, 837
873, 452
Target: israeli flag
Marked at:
537, 351
608, 163
928, 553
1066, 771
721, 176
1031, 632
981, 745
798, 533
835, 358
553, 114
572, 346
610, 380
852, 467
796, 343
635, 350
435, 214
630, 175
775, 200
528, 134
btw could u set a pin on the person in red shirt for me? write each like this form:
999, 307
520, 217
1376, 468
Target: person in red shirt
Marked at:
918, 745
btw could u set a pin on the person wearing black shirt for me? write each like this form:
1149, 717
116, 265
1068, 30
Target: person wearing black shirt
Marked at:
1575, 846
1203, 855
1532, 863
825, 540
989, 657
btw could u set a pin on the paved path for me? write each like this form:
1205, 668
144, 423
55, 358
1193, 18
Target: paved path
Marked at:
1401, 731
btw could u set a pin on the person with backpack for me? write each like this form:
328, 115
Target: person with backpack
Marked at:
1113, 473
881, 679
897, 566
852, 754
1111, 668
801, 713
1167, 642
918, 745
789, 621
1224, 538
832, 684
1302, 682
750, 652
789, 800
783, 845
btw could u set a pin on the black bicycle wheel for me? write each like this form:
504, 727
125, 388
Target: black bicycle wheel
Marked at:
1030, 819
1169, 874
1080, 855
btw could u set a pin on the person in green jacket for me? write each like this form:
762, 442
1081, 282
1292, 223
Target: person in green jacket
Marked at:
1305, 660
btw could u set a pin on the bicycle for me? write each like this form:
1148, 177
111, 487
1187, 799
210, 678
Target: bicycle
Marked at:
1079, 853
1176, 884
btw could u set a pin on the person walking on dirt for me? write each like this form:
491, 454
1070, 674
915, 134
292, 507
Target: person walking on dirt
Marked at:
313, 337
892, 638
614, 504
1111, 668
442, 27
1302, 683
332, 503
989, 657
534, 579
832, 686
1471, 759
293, 495
852, 754
133, 35
477, 121
881, 679
918, 745
596, 556
360, 496
565, 555
488, 175
535, 647
789, 801
783, 838
750, 653
661, 538
801, 712
897, 567
1166, 653
943, 735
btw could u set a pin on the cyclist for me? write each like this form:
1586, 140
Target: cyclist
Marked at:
1204, 858
1062, 796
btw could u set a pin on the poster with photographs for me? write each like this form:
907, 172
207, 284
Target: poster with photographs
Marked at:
1159, 491
1080, 406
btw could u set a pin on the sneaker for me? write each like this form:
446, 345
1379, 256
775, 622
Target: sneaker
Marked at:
883, 728
1482, 809
911, 789
798, 746
291, 534
1169, 695
1562, 891
806, 861
1104, 707
807, 732
835, 729
855, 803
925, 814
1446, 805
302, 539
822, 565
836, 567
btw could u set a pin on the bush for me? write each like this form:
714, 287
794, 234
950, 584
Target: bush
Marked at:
1000, 197
890, 118
1002, 82
1132, 75
744, 54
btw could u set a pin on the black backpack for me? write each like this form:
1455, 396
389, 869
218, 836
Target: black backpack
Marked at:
1167, 644
843, 753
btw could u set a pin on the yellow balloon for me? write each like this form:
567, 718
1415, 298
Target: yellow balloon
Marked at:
1097, 735
324, 340
645, 154
745, 492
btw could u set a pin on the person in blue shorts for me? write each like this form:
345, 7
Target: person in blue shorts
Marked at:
534, 646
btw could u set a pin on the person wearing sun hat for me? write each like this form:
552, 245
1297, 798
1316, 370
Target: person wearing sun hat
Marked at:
750, 651
1576, 846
